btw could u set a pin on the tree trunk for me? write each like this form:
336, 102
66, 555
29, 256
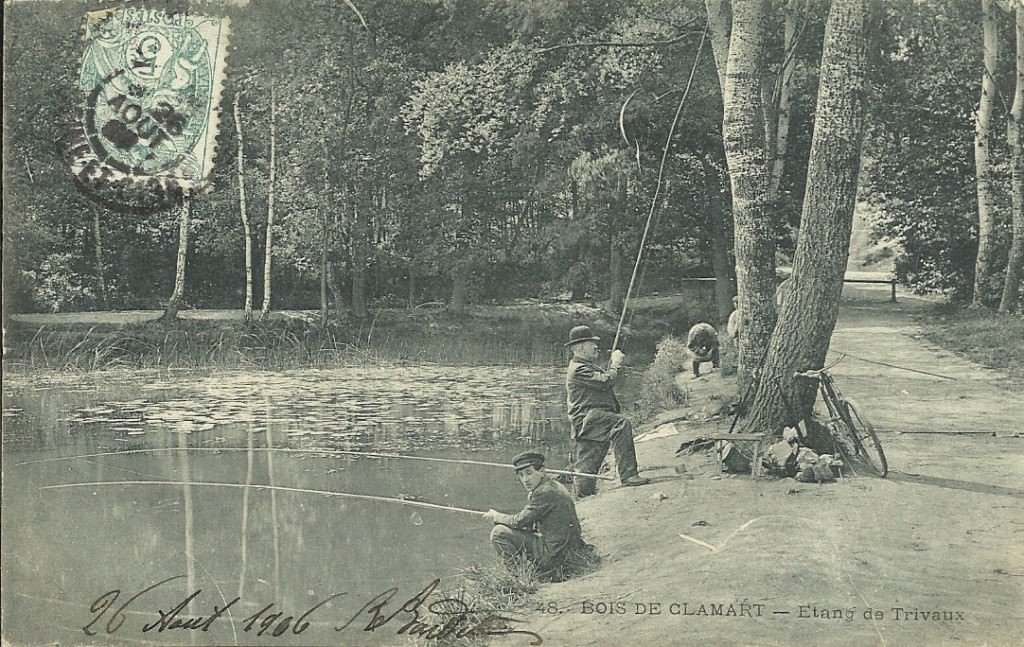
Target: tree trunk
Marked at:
780, 140
323, 266
808, 315
1015, 264
246, 231
719, 242
616, 272
460, 288
269, 247
744, 136
174, 303
339, 300
360, 233
101, 282
984, 266
719, 28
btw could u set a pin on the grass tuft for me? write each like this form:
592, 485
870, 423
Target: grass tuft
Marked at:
992, 339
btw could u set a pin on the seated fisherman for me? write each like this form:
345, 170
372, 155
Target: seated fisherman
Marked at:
547, 529
703, 345
595, 414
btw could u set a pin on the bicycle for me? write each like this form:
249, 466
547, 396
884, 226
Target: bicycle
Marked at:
852, 434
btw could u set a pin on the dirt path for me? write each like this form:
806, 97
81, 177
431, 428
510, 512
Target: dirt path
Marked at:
931, 555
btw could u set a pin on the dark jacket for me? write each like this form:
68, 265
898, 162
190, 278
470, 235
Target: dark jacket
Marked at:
587, 387
702, 336
550, 511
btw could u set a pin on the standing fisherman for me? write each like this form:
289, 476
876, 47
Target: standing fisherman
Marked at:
595, 415
547, 530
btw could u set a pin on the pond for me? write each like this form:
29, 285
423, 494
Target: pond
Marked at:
223, 484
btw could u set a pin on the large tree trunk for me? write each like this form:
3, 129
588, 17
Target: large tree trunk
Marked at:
246, 231
101, 282
744, 135
1015, 264
808, 315
984, 266
269, 247
719, 29
174, 303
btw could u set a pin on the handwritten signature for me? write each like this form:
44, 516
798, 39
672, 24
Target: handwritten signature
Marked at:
457, 619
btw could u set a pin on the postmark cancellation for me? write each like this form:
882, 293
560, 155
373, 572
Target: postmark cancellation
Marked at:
151, 84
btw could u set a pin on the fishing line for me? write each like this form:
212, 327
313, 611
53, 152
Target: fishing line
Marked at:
657, 189
311, 450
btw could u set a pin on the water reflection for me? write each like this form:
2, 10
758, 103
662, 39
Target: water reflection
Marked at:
64, 548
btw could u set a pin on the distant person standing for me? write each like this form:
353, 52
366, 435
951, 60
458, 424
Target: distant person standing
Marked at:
781, 293
702, 343
595, 413
732, 328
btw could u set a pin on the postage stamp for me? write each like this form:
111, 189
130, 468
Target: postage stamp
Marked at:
151, 83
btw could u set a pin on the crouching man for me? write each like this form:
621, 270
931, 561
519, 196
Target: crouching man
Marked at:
703, 345
547, 530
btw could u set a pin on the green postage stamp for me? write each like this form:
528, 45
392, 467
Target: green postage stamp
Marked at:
151, 84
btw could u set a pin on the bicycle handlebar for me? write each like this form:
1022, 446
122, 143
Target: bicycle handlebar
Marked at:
809, 374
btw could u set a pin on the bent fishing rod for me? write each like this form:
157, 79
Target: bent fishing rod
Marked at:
311, 450
275, 488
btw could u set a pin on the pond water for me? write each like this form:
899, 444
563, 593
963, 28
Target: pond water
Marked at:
231, 479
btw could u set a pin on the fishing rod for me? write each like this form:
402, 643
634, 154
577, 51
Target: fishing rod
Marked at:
657, 188
321, 450
279, 488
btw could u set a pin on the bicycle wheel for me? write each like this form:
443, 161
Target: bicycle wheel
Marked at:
863, 431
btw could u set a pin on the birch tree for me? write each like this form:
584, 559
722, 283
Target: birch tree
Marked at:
268, 248
984, 266
744, 135
246, 230
1015, 134
178, 295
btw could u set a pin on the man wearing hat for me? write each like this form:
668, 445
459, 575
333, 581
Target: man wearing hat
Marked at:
595, 413
547, 529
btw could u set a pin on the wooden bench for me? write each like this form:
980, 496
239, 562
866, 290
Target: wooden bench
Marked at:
755, 444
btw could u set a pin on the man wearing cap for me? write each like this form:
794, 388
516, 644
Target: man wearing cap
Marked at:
547, 529
595, 413
702, 341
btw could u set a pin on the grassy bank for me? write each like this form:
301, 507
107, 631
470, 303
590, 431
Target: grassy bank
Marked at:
529, 334
988, 338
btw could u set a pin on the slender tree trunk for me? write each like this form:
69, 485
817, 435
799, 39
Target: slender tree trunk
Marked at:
460, 289
174, 303
100, 280
246, 231
323, 266
360, 233
1015, 133
780, 140
269, 247
984, 266
744, 136
616, 271
339, 299
808, 315
719, 227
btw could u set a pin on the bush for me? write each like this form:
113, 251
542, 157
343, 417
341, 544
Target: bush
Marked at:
660, 391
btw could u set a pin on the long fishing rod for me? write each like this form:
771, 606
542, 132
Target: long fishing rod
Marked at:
313, 450
657, 189
279, 488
